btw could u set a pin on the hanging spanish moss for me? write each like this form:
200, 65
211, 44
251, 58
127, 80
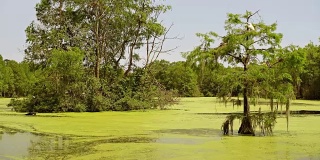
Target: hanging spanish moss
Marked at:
262, 123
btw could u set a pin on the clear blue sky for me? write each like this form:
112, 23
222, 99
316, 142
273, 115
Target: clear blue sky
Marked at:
298, 20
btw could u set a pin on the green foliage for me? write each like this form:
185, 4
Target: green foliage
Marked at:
78, 58
255, 51
310, 78
18, 105
247, 46
230, 82
16, 79
176, 76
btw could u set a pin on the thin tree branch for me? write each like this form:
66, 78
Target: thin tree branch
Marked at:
252, 15
262, 38
236, 57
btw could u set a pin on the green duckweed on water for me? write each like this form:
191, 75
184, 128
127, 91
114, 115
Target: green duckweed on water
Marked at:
190, 130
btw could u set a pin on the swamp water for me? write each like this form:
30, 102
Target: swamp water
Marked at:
190, 132
15, 144
188, 143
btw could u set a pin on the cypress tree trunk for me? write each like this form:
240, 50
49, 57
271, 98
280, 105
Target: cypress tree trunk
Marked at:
246, 124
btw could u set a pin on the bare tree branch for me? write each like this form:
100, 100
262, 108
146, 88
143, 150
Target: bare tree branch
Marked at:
157, 47
256, 12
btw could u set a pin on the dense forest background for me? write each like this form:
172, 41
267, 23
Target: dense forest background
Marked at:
66, 78
93, 56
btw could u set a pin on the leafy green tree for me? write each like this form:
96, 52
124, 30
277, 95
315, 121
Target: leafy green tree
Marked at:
294, 61
204, 61
15, 78
66, 72
110, 34
242, 46
228, 82
310, 84
176, 76
2, 71
60, 86
20, 78
108, 31
182, 78
8, 81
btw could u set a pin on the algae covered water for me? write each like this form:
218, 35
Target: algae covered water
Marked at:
188, 143
190, 130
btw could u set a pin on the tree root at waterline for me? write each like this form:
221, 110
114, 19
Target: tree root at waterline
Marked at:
246, 127
264, 121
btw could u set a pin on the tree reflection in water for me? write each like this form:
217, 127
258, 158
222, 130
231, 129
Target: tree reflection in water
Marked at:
18, 144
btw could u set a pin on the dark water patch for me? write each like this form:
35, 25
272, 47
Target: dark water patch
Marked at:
10, 114
275, 104
202, 132
222, 113
303, 112
87, 146
173, 109
37, 115
51, 116
301, 104
126, 140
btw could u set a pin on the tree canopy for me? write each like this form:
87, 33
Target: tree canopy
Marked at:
87, 55
268, 70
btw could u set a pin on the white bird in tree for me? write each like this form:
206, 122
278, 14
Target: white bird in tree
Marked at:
250, 26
